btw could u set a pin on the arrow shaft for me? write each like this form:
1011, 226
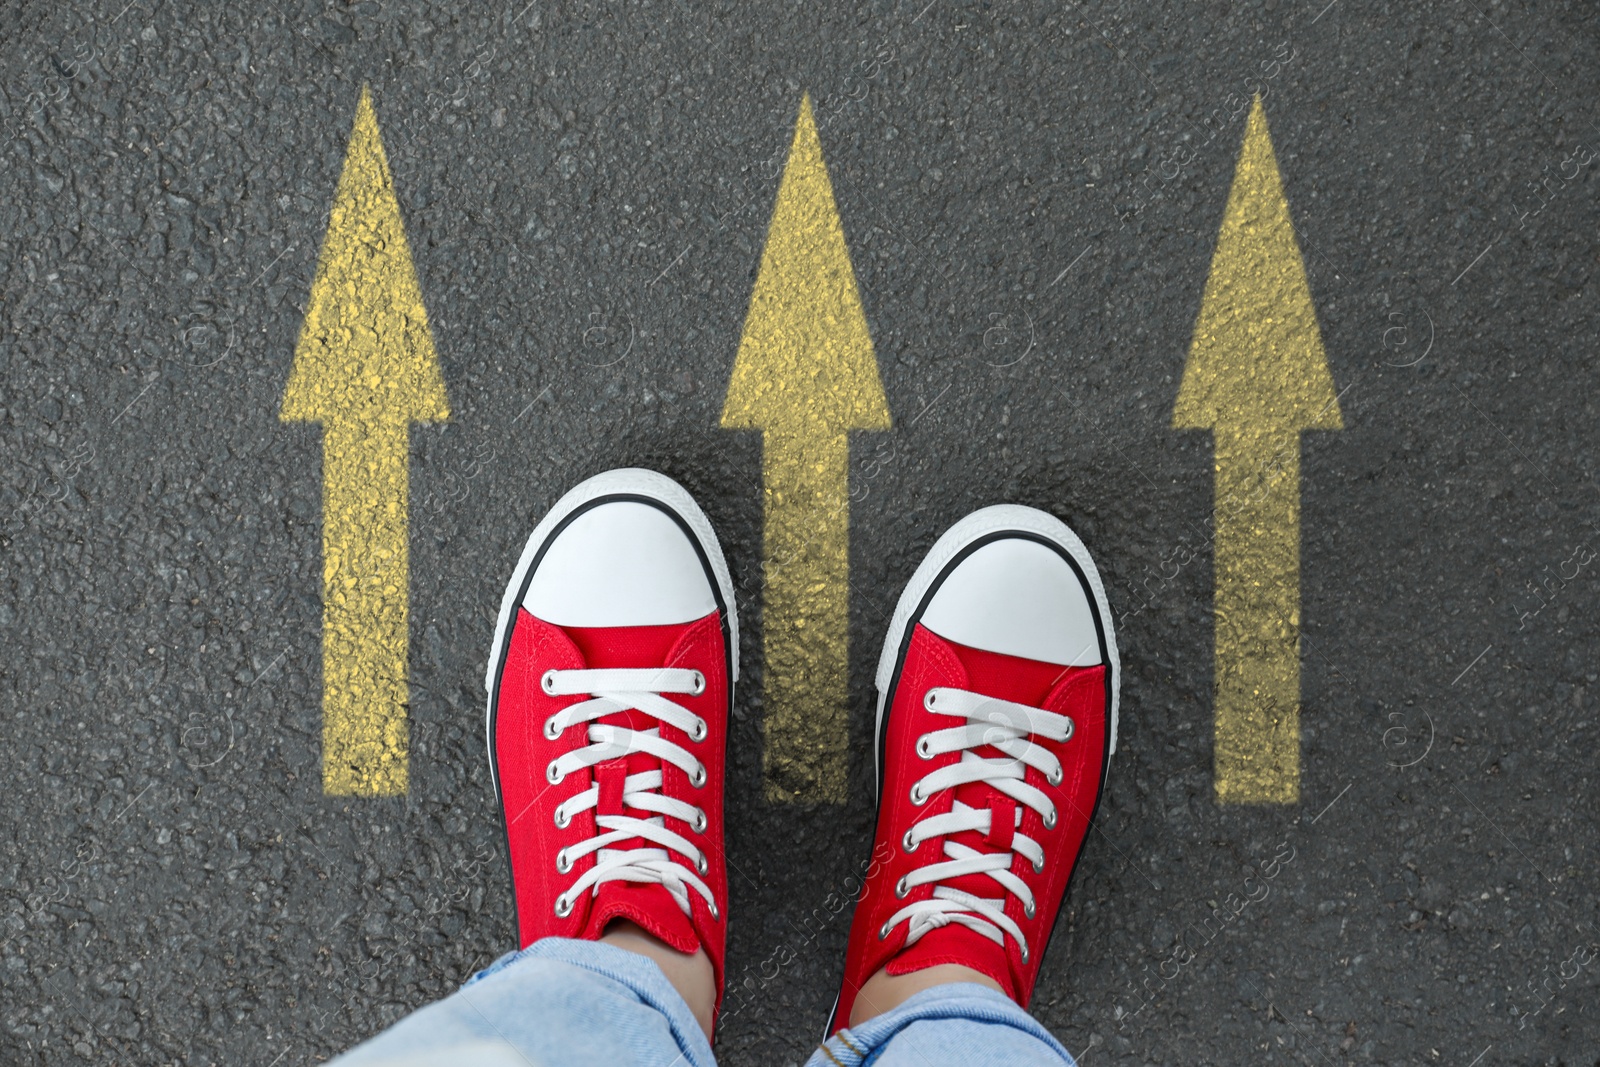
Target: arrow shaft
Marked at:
806, 616
1257, 616
365, 608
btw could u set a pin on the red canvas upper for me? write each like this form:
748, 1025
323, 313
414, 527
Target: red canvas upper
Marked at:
523, 753
932, 661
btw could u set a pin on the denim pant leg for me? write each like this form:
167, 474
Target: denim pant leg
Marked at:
556, 1003
956, 1025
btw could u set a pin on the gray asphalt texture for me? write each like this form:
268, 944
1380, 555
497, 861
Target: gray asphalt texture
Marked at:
1031, 194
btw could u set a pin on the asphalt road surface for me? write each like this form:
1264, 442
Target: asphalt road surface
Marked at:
1031, 196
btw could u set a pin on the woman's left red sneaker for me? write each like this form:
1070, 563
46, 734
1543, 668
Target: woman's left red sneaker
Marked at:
610, 683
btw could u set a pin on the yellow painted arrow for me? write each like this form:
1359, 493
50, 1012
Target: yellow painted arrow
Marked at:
806, 376
1256, 377
365, 368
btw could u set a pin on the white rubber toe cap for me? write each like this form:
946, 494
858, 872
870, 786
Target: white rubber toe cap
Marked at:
621, 563
1019, 598
1012, 593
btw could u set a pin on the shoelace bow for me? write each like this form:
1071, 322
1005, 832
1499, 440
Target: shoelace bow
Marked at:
1009, 728
610, 691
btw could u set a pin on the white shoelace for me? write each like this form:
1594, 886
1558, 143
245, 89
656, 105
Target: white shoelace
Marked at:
610, 691
1009, 728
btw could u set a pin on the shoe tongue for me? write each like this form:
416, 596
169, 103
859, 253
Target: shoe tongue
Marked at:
1022, 681
647, 904
628, 647
954, 943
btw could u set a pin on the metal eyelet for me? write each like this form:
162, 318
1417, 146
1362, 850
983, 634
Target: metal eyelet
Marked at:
700, 864
548, 684
1028, 910
908, 844
1037, 867
552, 776
883, 932
698, 777
917, 796
928, 700
550, 731
715, 914
699, 684
1024, 953
700, 730
901, 888
1050, 819
563, 862
1054, 779
1070, 728
562, 823
699, 822
563, 906
924, 747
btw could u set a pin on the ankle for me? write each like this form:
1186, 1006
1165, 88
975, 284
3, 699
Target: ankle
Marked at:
689, 972
884, 992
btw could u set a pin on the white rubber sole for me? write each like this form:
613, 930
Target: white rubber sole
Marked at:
623, 483
982, 525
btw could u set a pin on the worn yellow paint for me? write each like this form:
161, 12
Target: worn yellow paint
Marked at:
365, 368
806, 376
1257, 376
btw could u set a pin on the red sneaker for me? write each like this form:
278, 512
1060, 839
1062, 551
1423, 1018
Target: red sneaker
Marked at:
609, 689
997, 716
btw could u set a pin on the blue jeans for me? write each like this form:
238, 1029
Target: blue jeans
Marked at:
565, 1003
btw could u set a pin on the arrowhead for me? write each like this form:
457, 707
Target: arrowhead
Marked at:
1257, 357
365, 353
805, 362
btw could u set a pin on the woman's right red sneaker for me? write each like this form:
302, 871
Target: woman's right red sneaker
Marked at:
997, 717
